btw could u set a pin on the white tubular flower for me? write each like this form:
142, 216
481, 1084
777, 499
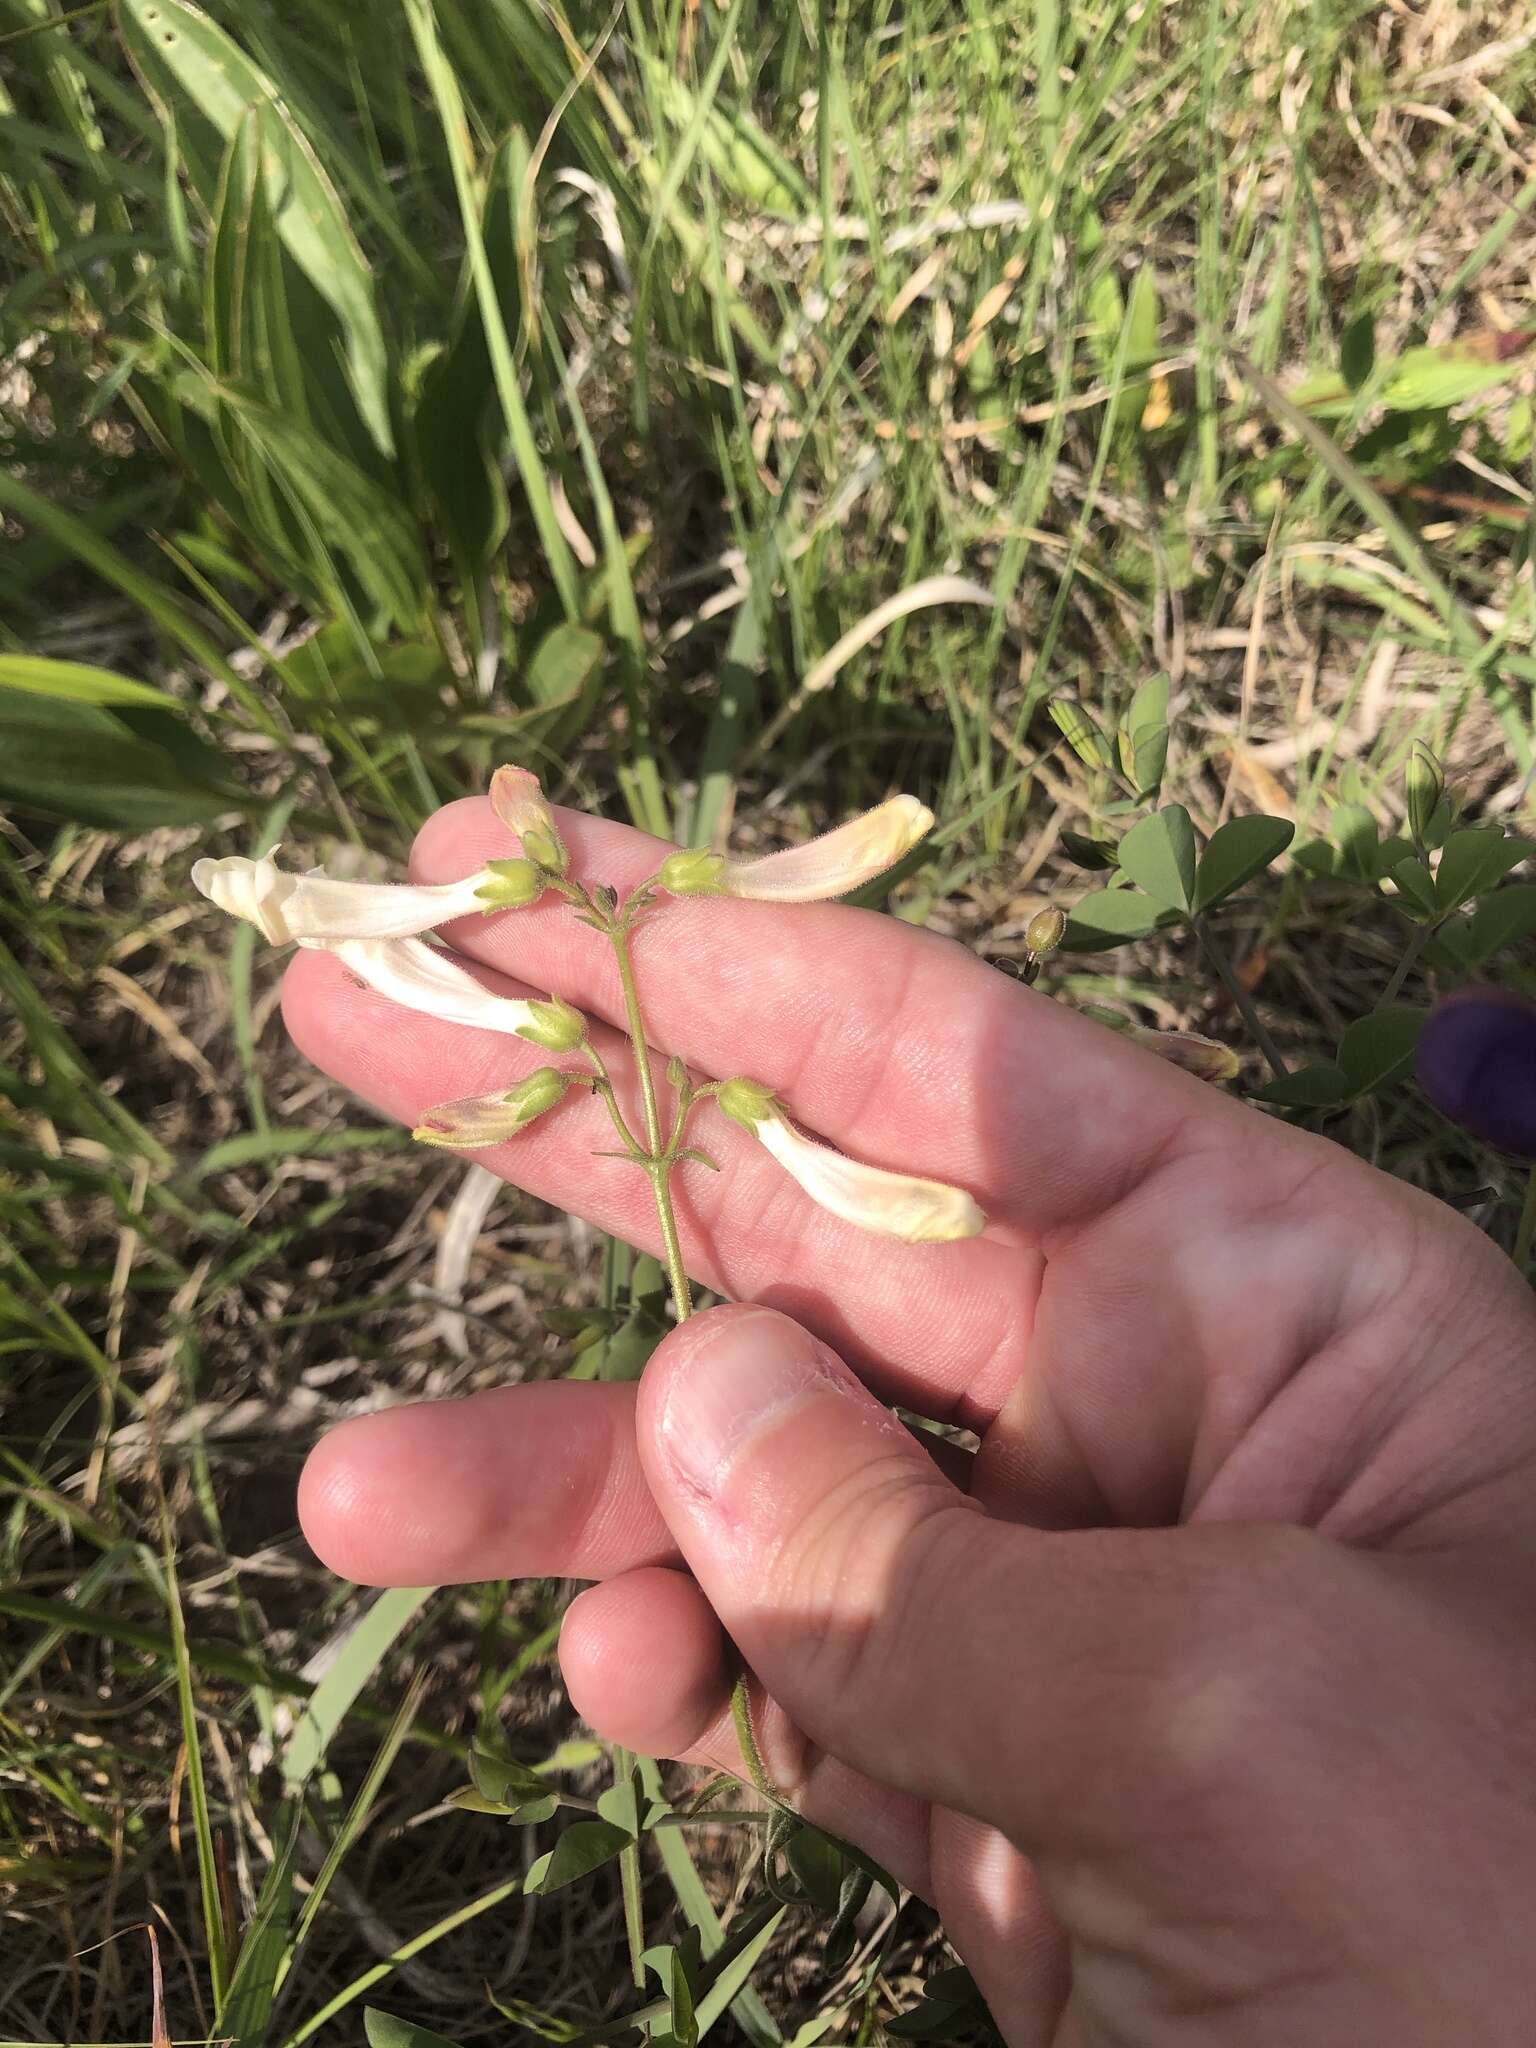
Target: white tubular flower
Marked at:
872, 1197
317, 910
823, 868
422, 977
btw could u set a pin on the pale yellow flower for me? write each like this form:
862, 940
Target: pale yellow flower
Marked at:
874, 1198
833, 865
423, 977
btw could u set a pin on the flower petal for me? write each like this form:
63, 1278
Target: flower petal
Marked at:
320, 910
893, 1204
836, 862
422, 977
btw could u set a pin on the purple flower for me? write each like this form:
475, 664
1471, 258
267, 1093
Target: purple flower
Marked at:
1477, 1065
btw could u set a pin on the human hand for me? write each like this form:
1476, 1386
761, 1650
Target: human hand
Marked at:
1200, 1701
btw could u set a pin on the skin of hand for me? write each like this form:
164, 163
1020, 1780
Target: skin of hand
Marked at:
1201, 1699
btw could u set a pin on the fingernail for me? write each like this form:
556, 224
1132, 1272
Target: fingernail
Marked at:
738, 1379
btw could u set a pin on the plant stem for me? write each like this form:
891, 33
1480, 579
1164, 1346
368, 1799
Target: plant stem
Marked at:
660, 1160
1258, 1029
1411, 952
1525, 1230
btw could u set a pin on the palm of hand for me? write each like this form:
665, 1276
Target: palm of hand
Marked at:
1180, 1313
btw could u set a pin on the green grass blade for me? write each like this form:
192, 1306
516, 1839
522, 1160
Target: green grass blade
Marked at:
450, 107
365, 1649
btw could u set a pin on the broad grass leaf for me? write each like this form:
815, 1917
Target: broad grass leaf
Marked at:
368, 1643
243, 2018
1378, 1048
1236, 852
78, 682
1159, 855
225, 85
64, 758
1357, 352
563, 663
385, 2030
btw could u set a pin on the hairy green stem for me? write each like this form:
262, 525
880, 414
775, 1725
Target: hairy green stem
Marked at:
660, 1154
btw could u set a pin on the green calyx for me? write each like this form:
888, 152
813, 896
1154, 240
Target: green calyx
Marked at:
511, 885
747, 1102
539, 1091
545, 850
694, 872
555, 1026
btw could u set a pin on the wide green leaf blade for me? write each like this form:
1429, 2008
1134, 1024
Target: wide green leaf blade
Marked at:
385, 2030
1378, 1048
1476, 859
1159, 855
355, 1663
1108, 917
1501, 920
1236, 852
226, 86
584, 1847
62, 758
77, 681
1324, 1086
1144, 737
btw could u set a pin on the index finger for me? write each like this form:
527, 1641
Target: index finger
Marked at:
898, 1045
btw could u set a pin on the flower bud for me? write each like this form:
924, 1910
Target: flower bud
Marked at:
477, 1120
1043, 933
510, 885
696, 872
523, 808
747, 1102
554, 1025
1423, 787
1206, 1058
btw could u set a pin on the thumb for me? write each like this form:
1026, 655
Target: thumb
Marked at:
988, 1667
